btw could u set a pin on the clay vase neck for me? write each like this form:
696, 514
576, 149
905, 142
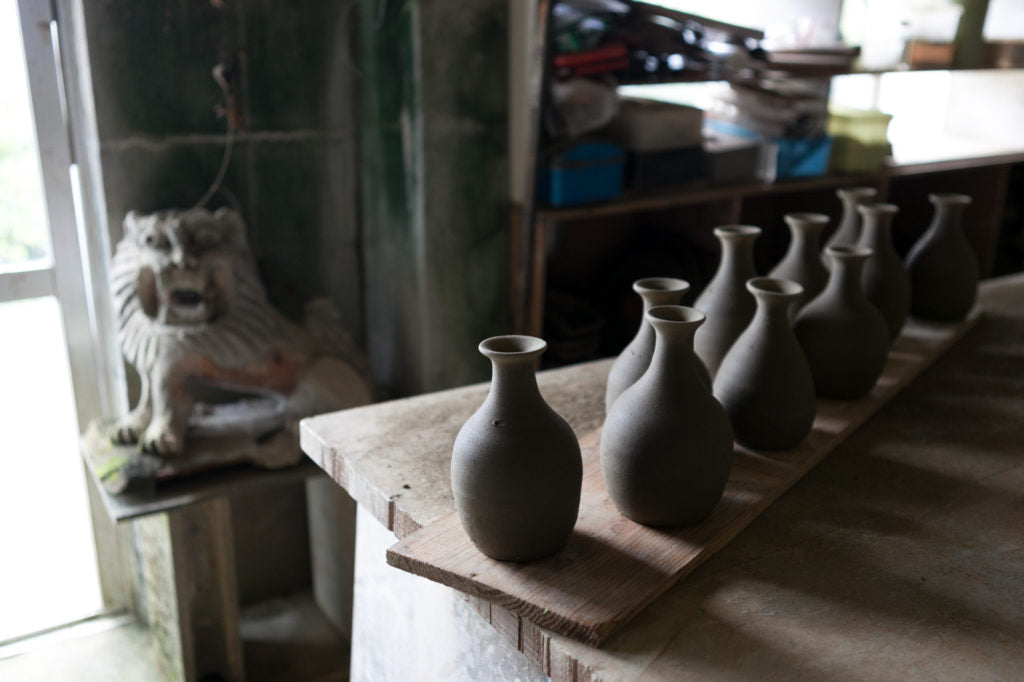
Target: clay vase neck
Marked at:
765, 383
844, 282
725, 301
844, 336
848, 230
516, 468
774, 298
634, 359
674, 330
802, 262
666, 445
943, 267
885, 280
513, 372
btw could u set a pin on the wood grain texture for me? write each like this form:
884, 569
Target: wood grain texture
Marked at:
612, 568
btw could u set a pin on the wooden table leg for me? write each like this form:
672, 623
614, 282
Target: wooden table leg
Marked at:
190, 592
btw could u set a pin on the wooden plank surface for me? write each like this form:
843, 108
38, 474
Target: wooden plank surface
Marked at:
612, 568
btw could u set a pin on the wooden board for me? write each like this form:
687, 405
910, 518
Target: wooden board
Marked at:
174, 493
612, 568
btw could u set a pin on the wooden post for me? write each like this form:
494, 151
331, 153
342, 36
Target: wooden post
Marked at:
189, 591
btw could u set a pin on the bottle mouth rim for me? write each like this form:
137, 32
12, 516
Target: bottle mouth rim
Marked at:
879, 207
856, 192
950, 198
512, 345
774, 287
667, 284
848, 251
806, 217
676, 315
737, 231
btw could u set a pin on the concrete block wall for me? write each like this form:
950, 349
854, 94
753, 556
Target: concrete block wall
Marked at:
293, 171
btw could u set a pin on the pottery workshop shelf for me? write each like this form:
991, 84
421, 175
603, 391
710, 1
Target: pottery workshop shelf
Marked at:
985, 177
612, 568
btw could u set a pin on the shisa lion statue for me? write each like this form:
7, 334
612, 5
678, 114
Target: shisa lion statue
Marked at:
193, 314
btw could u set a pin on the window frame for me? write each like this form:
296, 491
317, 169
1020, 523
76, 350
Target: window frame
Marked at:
76, 273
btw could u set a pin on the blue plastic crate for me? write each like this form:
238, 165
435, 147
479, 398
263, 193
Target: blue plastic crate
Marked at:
586, 173
784, 157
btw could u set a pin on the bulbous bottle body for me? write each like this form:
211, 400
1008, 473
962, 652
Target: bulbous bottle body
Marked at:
724, 301
844, 336
516, 468
764, 382
943, 267
885, 281
666, 445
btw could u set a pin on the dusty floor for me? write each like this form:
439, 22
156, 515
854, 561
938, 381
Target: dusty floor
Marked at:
284, 640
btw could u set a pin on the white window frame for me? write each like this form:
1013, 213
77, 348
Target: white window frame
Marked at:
79, 246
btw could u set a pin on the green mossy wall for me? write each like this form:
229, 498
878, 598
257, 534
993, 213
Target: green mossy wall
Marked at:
400, 104
434, 105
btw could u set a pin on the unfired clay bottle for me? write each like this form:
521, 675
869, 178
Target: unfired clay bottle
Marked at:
802, 262
885, 281
725, 301
516, 464
764, 382
943, 267
843, 335
635, 357
848, 230
666, 445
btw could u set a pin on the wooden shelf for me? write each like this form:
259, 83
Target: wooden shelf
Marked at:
210, 485
821, 72
736, 203
635, 201
954, 164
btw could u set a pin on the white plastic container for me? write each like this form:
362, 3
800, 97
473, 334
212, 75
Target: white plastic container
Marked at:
644, 125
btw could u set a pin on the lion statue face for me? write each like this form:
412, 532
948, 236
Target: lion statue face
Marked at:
186, 262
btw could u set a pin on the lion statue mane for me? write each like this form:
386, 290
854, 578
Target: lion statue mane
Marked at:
193, 313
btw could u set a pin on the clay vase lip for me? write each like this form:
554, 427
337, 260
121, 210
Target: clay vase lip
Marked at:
806, 218
675, 316
845, 252
512, 346
651, 284
949, 198
878, 208
856, 192
737, 232
774, 289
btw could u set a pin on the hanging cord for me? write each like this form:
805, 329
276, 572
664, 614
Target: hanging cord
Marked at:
215, 185
222, 73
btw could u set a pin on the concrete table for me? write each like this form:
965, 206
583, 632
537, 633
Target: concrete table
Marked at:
900, 556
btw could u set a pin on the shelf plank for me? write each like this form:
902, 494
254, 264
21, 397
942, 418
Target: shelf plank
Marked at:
634, 201
612, 568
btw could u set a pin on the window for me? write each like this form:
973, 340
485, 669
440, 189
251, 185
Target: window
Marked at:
51, 370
